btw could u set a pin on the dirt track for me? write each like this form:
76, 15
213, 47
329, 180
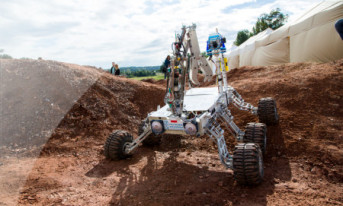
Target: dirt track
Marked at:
303, 165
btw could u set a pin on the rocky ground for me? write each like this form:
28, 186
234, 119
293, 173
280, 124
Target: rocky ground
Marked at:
56, 116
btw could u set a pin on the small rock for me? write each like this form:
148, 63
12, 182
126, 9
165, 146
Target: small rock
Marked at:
188, 192
316, 170
220, 184
201, 177
335, 96
243, 195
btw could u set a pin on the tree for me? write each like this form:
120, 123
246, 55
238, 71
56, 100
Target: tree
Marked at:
5, 56
274, 20
204, 54
242, 36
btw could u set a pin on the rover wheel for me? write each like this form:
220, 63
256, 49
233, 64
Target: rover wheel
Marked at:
256, 133
248, 164
150, 140
267, 111
115, 144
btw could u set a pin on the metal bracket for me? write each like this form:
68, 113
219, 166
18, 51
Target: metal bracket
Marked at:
132, 146
216, 133
238, 101
227, 118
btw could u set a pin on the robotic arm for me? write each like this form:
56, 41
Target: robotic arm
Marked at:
187, 57
197, 61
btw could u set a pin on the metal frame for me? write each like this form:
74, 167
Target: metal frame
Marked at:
209, 123
187, 57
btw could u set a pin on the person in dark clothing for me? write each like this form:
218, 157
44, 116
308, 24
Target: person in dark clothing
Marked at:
115, 69
339, 27
117, 72
166, 64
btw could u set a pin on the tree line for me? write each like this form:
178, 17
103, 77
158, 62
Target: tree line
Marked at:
274, 20
139, 73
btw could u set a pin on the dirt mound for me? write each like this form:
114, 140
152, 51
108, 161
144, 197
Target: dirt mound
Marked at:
107, 105
36, 95
303, 162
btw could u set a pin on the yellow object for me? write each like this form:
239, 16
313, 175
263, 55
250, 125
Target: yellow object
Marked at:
226, 64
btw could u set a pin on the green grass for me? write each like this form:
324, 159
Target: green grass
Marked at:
157, 77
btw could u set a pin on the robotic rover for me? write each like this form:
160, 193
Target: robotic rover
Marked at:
200, 111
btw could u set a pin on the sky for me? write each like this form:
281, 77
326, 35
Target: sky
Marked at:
130, 32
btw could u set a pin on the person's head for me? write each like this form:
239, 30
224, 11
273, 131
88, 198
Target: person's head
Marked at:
113, 64
168, 57
116, 66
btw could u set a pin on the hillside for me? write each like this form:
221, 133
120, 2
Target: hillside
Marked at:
52, 150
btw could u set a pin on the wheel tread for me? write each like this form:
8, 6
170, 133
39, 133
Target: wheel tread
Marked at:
246, 164
113, 148
267, 111
256, 133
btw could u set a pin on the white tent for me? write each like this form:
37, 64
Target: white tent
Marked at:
241, 55
312, 37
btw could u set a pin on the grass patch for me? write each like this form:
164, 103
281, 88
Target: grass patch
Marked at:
157, 77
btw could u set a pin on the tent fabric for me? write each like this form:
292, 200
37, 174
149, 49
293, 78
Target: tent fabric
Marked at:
311, 37
250, 43
275, 53
320, 7
320, 44
245, 58
233, 62
329, 13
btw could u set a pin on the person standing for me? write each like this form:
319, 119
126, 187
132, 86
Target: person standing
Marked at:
166, 64
117, 72
112, 70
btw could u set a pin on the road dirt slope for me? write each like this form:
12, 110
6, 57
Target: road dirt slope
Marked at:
303, 165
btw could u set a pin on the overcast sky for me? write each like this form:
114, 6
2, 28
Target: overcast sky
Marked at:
130, 32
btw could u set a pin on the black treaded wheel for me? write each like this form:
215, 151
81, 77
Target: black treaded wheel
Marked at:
152, 139
248, 164
267, 111
115, 145
256, 133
